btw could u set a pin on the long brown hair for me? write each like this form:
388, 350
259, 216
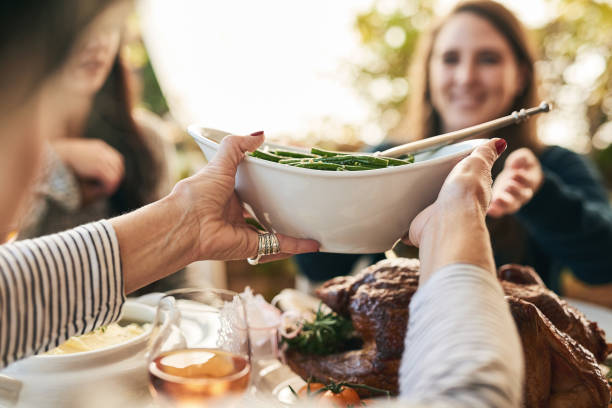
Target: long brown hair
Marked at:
111, 120
35, 40
422, 120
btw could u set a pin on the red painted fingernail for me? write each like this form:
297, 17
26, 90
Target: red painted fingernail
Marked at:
501, 145
258, 133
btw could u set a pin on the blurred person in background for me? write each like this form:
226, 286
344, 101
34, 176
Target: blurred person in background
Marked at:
102, 160
101, 163
550, 209
66, 284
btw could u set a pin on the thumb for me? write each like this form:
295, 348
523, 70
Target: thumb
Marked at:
232, 149
490, 151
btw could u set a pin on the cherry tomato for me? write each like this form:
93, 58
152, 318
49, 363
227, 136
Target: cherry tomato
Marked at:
309, 389
345, 398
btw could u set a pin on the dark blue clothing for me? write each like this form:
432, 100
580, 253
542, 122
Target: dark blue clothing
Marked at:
567, 223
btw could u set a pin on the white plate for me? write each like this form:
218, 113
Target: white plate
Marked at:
58, 380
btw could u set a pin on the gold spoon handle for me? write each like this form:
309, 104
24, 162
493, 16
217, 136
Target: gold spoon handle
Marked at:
448, 138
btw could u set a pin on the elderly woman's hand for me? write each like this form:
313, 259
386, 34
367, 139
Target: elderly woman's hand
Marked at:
213, 207
521, 178
452, 229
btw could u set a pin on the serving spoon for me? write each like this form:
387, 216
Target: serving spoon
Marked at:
435, 142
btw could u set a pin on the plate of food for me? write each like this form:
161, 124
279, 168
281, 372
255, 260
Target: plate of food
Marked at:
83, 364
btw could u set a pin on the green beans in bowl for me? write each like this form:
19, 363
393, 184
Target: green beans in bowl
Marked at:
319, 159
351, 210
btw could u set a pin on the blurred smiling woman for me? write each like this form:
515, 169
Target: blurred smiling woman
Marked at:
549, 207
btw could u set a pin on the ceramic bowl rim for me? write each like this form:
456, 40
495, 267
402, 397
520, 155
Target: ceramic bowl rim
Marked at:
195, 131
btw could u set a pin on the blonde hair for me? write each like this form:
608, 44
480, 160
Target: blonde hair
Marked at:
420, 118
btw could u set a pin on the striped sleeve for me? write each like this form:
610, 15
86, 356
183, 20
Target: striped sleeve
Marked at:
462, 348
58, 286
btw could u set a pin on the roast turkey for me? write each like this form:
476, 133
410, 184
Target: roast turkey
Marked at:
561, 347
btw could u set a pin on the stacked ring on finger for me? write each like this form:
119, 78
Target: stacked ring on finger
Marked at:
267, 244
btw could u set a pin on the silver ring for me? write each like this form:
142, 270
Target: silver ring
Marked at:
267, 244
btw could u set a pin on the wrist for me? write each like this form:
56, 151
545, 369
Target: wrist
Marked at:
181, 204
459, 237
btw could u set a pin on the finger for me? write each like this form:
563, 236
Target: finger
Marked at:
232, 150
119, 164
288, 246
292, 245
495, 211
109, 177
507, 203
519, 191
519, 159
520, 176
497, 208
252, 242
115, 160
489, 152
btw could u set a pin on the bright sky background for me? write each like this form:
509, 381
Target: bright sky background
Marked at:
276, 65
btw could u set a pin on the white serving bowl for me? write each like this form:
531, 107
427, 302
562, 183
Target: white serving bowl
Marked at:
346, 212
64, 380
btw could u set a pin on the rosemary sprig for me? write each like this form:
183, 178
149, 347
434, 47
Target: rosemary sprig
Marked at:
326, 334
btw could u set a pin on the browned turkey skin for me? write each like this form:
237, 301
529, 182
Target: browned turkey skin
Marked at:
561, 347
524, 283
559, 372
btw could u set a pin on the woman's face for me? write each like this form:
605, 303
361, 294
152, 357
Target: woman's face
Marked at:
93, 55
474, 76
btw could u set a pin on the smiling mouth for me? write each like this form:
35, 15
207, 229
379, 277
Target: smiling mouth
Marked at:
467, 103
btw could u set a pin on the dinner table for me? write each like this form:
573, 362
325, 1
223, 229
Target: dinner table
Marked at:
272, 381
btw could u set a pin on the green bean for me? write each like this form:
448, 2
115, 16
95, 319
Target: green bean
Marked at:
320, 166
408, 157
292, 161
287, 153
320, 159
355, 160
358, 168
325, 153
396, 162
266, 156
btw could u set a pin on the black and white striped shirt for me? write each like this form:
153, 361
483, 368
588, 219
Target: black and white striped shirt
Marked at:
58, 286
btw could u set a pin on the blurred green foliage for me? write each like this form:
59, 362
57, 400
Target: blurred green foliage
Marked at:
152, 97
575, 68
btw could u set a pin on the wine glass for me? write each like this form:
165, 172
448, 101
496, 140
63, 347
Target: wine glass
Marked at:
199, 353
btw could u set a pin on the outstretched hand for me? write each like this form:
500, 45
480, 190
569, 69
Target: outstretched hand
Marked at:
213, 205
514, 187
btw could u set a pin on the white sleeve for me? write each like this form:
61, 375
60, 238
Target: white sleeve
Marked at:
462, 347
58, 286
